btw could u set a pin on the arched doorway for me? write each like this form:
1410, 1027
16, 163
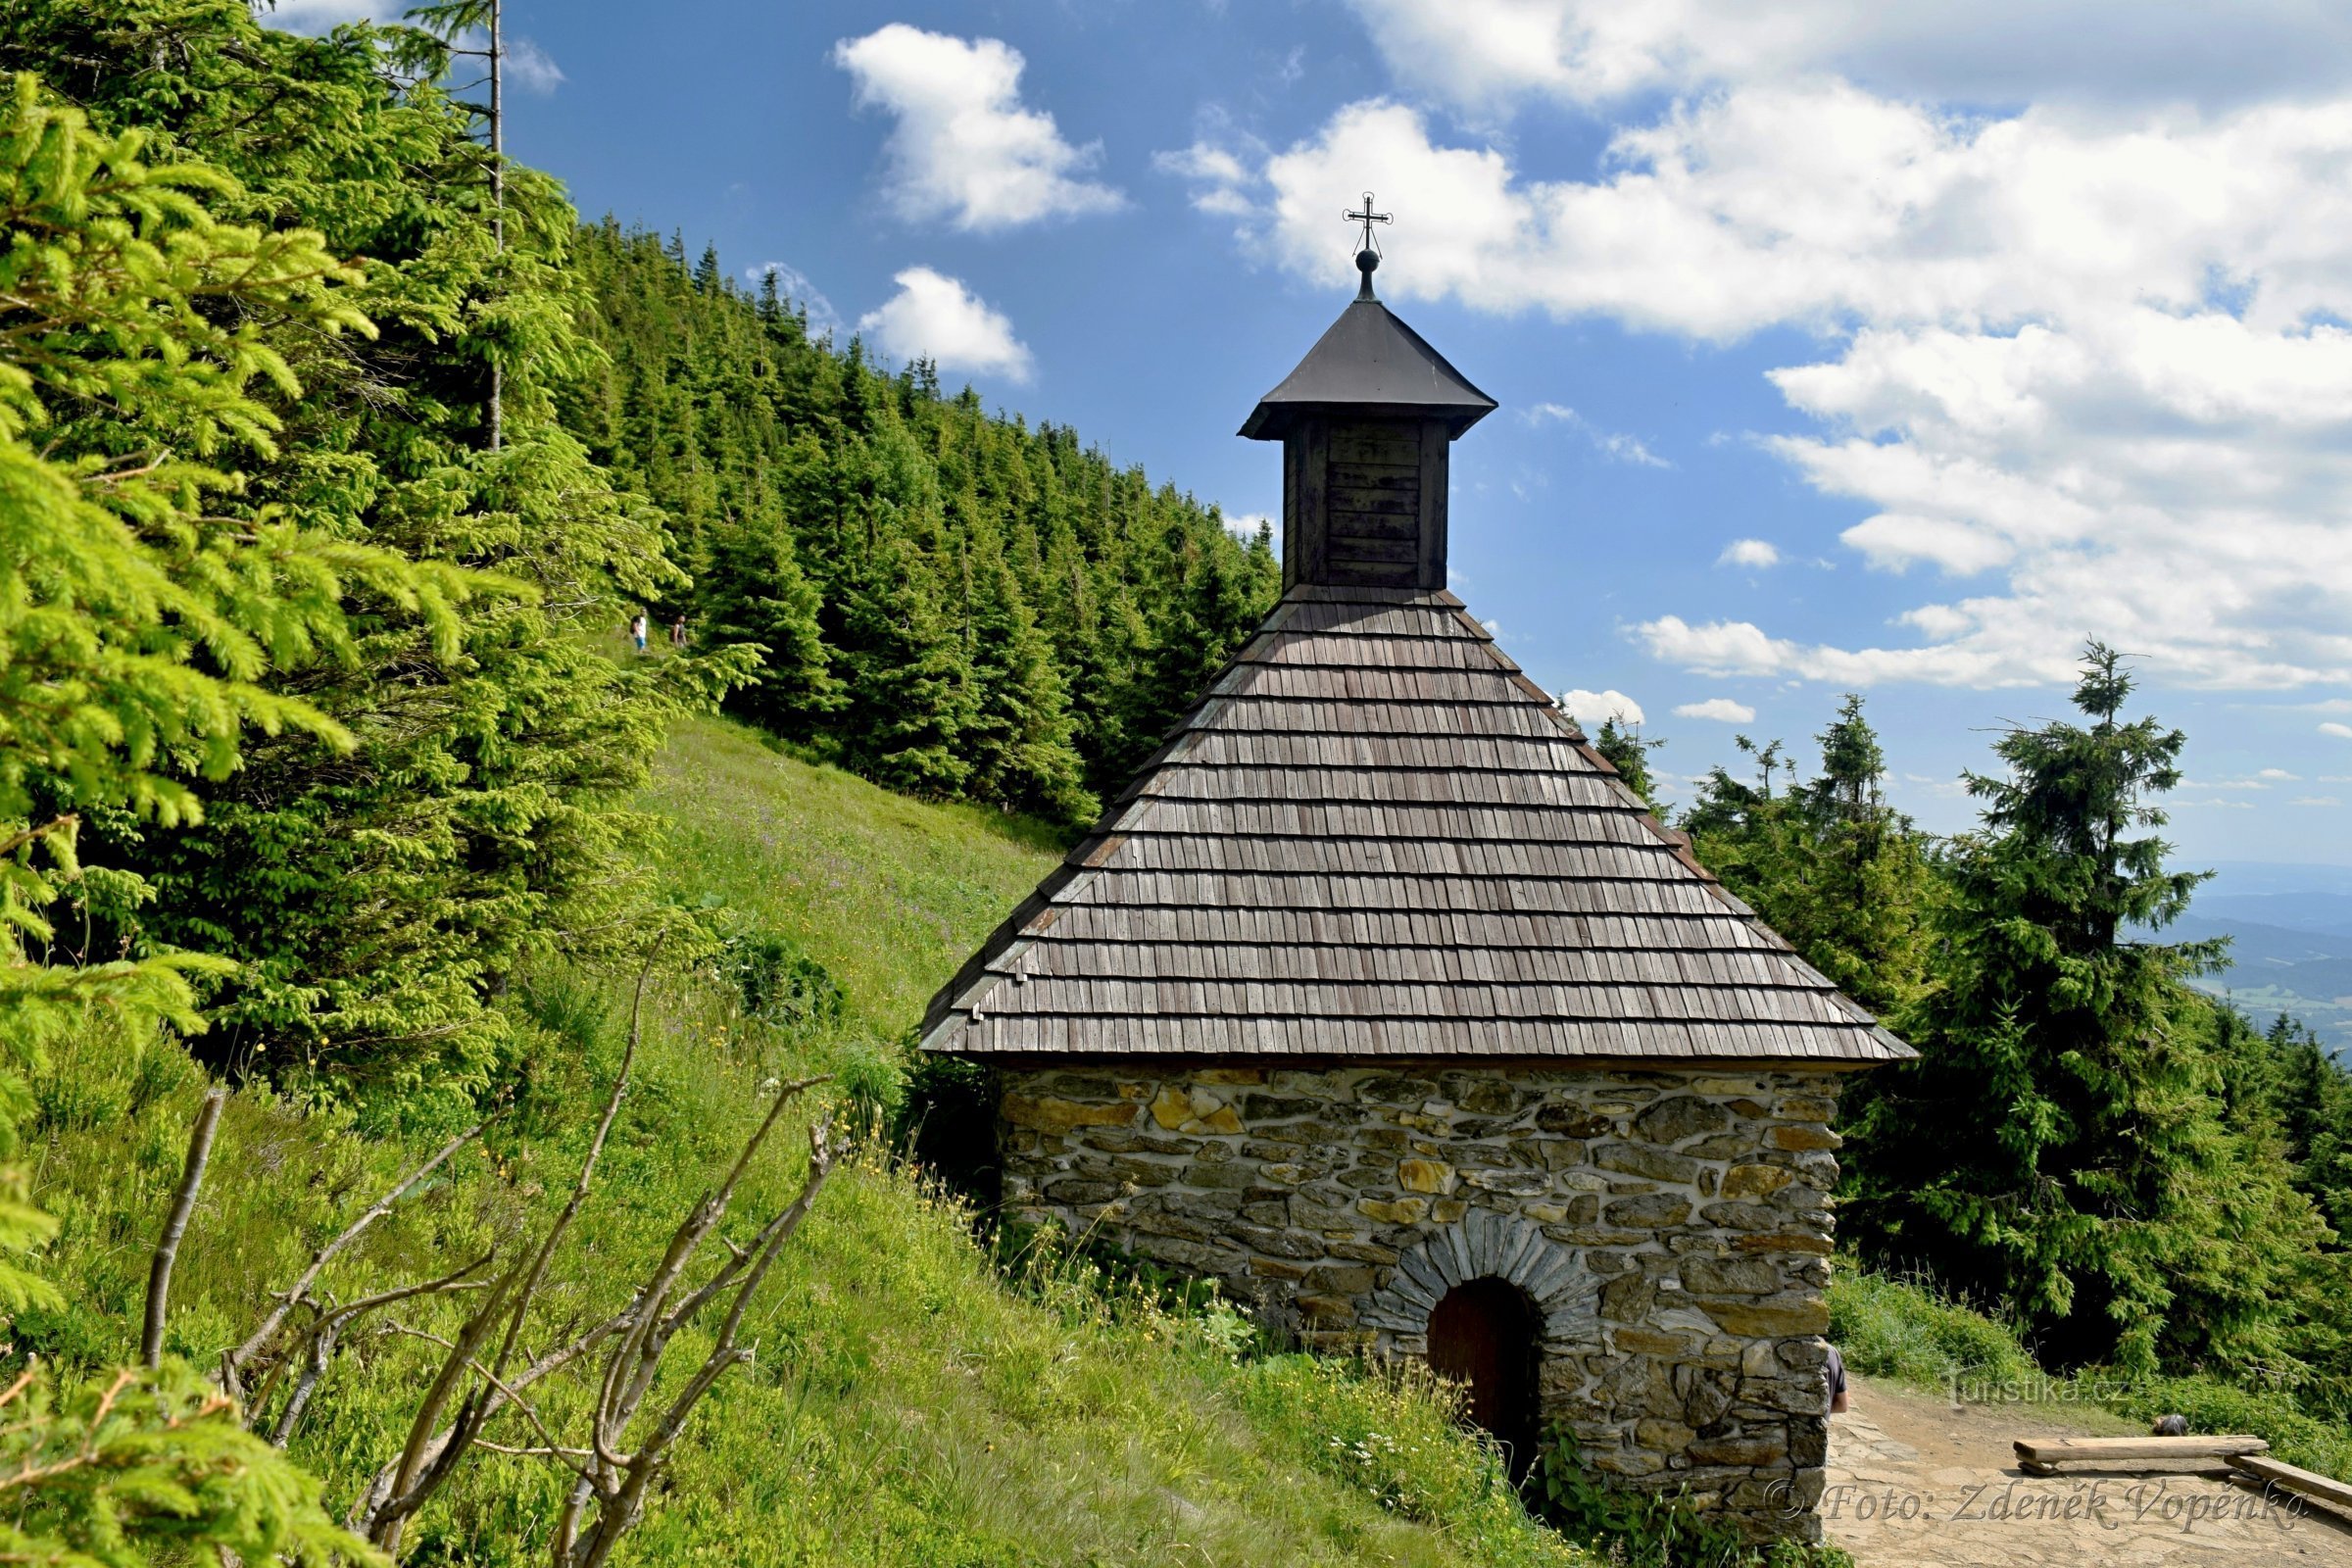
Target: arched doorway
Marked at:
1484, 1335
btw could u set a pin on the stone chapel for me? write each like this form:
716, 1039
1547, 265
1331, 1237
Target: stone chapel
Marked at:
1379, 997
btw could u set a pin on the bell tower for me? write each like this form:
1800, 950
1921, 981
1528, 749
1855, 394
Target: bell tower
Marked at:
1366, 423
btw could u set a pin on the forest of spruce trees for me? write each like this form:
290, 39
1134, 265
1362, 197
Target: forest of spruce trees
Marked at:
950, 603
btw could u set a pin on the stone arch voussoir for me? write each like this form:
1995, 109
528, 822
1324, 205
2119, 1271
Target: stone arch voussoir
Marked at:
1487, 1245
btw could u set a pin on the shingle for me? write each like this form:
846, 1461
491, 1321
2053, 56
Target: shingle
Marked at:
1374, 836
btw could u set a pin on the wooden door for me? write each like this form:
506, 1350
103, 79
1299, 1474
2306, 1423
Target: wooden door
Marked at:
1482, 1335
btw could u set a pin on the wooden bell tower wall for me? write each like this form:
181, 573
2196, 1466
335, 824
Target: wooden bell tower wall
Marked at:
1364, 503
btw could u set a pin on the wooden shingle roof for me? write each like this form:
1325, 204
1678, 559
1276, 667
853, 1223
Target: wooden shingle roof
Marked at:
1374, 837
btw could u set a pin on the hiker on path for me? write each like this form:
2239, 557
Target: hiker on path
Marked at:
677, 633
637, 630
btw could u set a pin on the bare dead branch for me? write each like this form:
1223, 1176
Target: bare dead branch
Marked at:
629, 1371
433, 1450
234, 1363
176, 1225
617, 1485
326, 1333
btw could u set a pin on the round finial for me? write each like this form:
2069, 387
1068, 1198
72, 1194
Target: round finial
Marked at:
1366, 261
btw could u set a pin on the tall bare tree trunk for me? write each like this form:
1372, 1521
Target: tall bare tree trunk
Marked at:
498, 199
176, 1225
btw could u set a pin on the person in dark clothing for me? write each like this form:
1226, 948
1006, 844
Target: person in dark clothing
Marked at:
1835, 1372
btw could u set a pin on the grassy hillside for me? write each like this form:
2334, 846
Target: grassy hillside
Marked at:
905, 1407
889, 894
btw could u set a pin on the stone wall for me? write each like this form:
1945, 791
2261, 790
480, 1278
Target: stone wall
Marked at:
1673, 1229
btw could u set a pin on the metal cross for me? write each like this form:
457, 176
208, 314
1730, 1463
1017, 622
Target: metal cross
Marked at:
1368, 218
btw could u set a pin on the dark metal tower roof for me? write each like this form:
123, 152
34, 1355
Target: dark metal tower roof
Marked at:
1369, 365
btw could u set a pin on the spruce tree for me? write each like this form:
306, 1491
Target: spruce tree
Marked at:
1019, 737
1628, 751
139, 636
756, 596
2056, 1147
1846, 880
910, 681
373, 905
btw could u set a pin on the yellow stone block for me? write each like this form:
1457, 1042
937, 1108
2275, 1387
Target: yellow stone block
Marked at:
1051, 1115
1424, 1175
1779, 1319
1400, 1211
1753, 1181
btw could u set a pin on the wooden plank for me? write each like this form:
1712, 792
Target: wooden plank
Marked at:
1294, 513
1371, 573
2274, 1473
2108, 1451
1436, 451
1364, 442
1378, 475
1399, 502
1315, 457
1357, 550
1375, 525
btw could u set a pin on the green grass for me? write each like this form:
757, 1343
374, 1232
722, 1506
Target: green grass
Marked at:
905, 1406
1904, 1329
889, 894
1907, 1331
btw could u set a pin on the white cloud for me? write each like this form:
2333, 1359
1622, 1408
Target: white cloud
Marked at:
1722, 710
2342, 732
1204, 162
2097, 365
1246, 524
2279, 773
1753, 554
794, 285
1609, 444
1220, 175
530, 67
935, 317
1742, 648
965, 147
1591, 707
2315, 800
1489, 53
317, 16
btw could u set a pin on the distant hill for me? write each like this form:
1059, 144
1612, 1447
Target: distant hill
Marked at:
2290, 931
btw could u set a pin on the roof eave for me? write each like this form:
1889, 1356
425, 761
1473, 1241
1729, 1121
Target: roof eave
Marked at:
1271, 421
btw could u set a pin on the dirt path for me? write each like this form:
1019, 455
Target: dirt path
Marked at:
1915, 1484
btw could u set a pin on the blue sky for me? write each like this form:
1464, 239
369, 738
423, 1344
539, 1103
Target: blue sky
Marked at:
1839, 346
